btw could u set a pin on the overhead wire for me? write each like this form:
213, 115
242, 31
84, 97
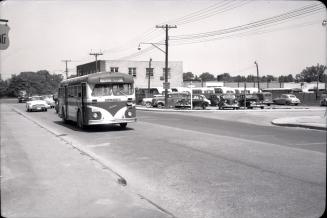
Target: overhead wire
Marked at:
272, 20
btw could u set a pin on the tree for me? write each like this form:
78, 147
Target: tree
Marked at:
188, 76
207, 77
3, 88
39, 83
310, 74
224, 77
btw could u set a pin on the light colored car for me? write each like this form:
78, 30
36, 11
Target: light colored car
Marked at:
36, 103
206, 100
49, 100
287, 99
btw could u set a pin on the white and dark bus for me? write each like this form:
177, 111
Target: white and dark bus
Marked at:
99, 98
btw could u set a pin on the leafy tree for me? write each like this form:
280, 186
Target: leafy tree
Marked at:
224, 77
310, 74
207, 77
188, 76
39, 83
3, 88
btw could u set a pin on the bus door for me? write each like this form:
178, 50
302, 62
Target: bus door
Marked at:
66, 101
84, 96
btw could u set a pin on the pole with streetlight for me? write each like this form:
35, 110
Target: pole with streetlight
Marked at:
255, 62
149, 76
166, 84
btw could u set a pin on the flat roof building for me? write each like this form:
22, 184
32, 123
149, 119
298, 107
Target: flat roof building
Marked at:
139, 70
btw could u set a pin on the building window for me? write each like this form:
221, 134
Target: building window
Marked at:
132, 71
163, 73
113, 69
147, 70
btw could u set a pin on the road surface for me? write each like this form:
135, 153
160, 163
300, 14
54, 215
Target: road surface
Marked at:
197, 166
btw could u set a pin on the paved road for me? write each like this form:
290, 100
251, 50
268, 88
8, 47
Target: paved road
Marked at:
199, 167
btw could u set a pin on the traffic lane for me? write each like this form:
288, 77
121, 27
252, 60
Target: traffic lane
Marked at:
293, 137
155, 159
44, 177
214, 175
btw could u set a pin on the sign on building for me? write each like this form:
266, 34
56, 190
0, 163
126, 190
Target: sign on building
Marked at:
166, 85
4, 39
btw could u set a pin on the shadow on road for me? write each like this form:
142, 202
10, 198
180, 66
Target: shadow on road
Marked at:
96, 128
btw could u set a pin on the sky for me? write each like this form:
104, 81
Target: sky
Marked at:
44, 33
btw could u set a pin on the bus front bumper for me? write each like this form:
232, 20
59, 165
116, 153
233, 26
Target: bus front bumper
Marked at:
116, 121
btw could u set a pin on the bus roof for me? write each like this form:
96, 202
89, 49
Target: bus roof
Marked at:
101, 77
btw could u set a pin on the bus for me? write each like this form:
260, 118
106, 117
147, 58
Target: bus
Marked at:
99, 98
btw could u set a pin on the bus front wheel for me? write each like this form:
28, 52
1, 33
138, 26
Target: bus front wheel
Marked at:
123, 125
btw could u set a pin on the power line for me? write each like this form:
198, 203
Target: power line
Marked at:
268, 21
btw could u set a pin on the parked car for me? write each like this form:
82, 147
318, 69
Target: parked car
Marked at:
199, 101
173, 99
323, 99
205, 99
214, 99
228, 102
287, 99
250, 101
36, 103
265, 98
148, 101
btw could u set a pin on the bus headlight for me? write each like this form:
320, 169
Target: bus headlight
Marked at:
96, 115
129, 113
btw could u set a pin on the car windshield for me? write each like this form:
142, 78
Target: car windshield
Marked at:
112, 89
35, 98
292, 96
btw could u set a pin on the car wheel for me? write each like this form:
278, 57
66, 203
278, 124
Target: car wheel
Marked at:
287, 103
160, 105
204, 107
296, 104
123, 125
148, 104
79, 121
45, 109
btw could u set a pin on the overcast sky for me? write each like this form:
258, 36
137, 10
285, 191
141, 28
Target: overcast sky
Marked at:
43, 33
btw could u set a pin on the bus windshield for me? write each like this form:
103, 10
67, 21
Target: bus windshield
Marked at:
112, 89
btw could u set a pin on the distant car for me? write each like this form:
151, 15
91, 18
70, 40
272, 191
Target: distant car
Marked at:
49, 100
287, 99
228, 102
205, 99
148, 101
323, 99
36, 103
265, 98
250, 101
22, 96
173, 100
214, 99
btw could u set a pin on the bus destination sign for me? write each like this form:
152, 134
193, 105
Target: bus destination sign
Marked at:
111, 80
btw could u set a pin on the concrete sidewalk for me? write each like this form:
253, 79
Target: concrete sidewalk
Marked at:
44, 176
311, 122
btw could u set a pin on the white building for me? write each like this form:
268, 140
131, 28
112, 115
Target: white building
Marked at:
139, 70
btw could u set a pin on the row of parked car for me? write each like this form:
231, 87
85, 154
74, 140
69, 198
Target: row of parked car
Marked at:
222, 101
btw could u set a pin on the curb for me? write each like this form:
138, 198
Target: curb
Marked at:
299, 125
120, 179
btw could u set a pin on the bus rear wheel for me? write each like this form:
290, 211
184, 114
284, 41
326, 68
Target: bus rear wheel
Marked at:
123, 125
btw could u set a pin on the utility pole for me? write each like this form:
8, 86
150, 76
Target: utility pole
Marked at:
166, 27
96, 59
66, 61
149, 76
257, 75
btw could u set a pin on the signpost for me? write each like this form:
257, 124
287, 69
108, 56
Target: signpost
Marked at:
191, 87
166, 85
4, 38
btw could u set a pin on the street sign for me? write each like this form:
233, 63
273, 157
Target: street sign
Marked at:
4, 39
166, 85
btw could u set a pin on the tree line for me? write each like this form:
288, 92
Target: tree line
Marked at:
35, 83
309, 74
